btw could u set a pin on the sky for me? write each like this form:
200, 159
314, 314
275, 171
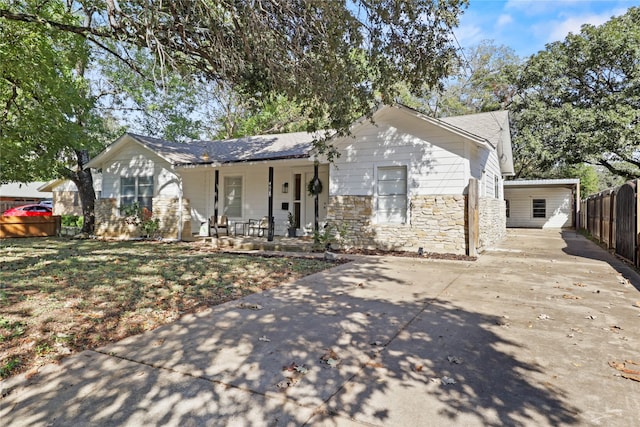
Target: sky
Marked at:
528, 25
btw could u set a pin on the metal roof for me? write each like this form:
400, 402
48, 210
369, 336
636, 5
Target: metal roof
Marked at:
542, 182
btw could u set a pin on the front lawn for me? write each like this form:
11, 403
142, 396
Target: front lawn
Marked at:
58, 296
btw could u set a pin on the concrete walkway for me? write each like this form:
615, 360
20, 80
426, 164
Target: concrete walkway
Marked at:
523, 336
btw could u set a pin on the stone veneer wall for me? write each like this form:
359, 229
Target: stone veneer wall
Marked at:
493, 221
66, 203
109, 222
436, 223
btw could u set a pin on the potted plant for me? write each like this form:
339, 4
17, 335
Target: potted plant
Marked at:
291, 225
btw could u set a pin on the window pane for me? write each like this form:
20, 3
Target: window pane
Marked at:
539, 208
233, 196
127, 191
145, 192
392, 194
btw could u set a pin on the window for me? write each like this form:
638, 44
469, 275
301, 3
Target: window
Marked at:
496, 186
233, 196
392, 194
137, 189
539, 208
508, 210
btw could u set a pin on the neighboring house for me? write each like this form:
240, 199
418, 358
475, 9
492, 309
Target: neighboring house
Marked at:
17, 193
400, 183
542, 203
66, 199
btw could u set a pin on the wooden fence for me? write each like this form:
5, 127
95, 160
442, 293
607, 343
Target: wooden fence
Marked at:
29, 226
612, 218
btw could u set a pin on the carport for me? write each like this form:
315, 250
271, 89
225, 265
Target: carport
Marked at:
542, 203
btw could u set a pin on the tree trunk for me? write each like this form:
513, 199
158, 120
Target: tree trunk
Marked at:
84, 181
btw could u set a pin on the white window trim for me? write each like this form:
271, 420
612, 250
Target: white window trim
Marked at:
137, 195
375, 218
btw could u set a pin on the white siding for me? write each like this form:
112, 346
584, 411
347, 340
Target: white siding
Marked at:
437, 160
559, 207
199, 189
135, 160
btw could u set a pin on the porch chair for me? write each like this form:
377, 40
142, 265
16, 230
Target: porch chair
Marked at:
222, 222
257, 227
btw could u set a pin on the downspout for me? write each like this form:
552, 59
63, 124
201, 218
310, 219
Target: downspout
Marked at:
180, 195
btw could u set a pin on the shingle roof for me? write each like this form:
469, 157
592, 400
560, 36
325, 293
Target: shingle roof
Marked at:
251, 148
492, 126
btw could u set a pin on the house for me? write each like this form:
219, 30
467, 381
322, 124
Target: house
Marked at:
17, 193
542, 203
66, 199
404, 181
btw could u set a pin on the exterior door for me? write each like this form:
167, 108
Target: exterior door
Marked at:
303, 202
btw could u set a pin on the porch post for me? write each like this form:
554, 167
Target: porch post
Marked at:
270, 206
316, 201
216, 175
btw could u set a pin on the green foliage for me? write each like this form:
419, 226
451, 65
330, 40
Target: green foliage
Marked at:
46, 113
157, 104
332, 232
72, 221
579, 100
141, 217
291, 221
6, 368
335, 60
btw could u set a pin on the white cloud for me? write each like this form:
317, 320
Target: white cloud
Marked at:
504, 19
558, 30
469, 34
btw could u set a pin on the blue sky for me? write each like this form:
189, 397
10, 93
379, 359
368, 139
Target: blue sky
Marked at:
527, 25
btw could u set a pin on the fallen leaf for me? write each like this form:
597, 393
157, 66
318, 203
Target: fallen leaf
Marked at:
453, 359
329, 354
264, 338
447, 380
631, 377
544, 317
582, 285
249, 306
373, 364
332, 362
418, 368
567, 296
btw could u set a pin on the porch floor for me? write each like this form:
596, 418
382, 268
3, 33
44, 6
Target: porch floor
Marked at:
248, 243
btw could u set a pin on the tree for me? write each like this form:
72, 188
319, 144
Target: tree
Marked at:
159, 103
579, 101
333, 58
47, 125
481, 82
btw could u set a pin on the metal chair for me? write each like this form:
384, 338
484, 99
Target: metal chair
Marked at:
257, 227
222, 222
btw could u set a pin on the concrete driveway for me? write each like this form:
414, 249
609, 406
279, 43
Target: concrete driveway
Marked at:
523, 336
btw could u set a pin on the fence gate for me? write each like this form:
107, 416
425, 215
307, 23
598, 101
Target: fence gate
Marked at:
626, 221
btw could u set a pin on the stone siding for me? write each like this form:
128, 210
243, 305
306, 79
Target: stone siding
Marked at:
436, 224
110, 223
66, 203
493, 221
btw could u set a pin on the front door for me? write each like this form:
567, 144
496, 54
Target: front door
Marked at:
304, 203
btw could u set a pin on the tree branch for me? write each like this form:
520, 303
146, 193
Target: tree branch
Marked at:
76, 29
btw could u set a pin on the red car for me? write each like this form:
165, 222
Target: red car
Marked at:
28, 210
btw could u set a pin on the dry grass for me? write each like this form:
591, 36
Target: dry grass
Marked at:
58, 297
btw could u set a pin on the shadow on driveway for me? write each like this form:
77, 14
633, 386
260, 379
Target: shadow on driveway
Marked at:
385, 323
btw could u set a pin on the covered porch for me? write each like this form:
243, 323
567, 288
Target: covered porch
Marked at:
256, 200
